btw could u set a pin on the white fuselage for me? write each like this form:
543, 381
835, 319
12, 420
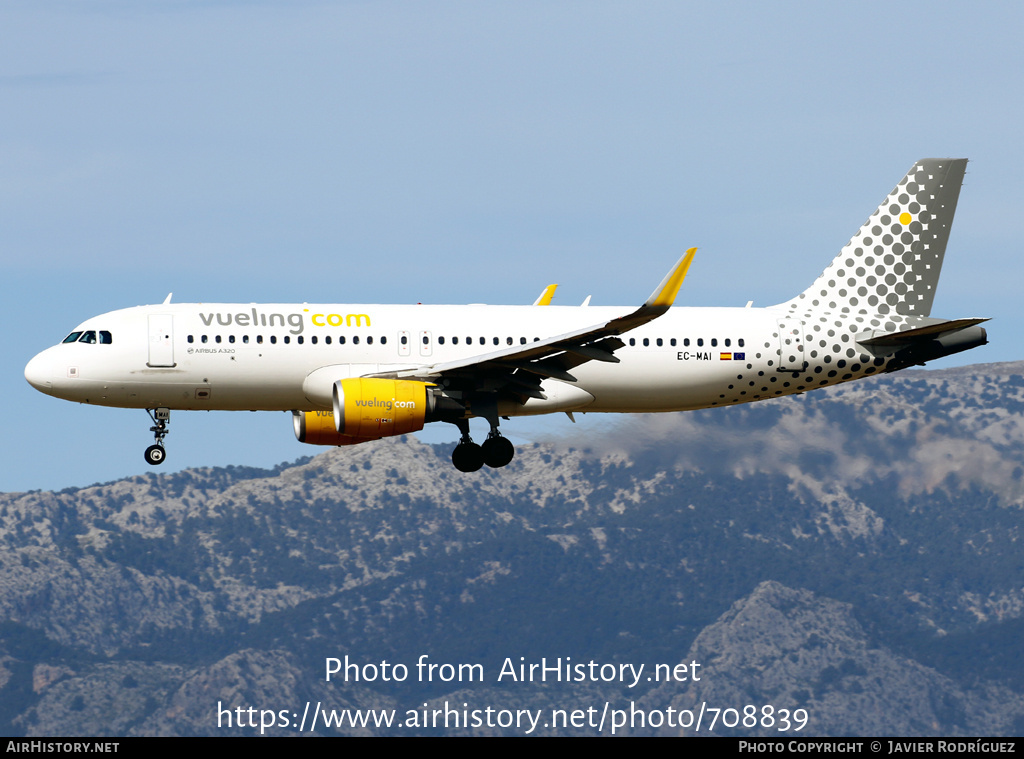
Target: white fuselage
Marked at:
288, 356
353, 373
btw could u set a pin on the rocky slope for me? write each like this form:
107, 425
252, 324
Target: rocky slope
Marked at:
852, 552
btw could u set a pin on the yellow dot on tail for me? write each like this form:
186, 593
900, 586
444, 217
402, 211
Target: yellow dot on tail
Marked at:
905, 218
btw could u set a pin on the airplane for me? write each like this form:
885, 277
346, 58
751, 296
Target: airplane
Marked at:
350, 373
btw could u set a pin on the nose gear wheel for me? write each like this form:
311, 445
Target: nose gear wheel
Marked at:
155, 455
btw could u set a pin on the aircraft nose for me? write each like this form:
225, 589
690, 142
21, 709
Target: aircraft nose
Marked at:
39, 373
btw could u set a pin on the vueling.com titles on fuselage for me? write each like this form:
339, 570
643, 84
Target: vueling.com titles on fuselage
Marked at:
297, 322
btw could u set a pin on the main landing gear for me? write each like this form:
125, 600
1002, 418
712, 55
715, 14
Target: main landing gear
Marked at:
161, 417
496, 452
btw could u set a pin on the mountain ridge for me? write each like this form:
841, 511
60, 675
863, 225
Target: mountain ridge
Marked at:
888, 509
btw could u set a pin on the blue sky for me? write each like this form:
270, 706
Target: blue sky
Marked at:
468, 152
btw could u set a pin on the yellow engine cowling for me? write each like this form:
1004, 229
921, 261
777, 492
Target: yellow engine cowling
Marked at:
375, 408
317, 428
370, 408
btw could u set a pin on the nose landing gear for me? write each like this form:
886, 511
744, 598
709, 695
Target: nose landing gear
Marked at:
161, 417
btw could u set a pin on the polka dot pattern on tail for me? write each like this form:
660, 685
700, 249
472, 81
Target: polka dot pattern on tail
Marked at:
892, 264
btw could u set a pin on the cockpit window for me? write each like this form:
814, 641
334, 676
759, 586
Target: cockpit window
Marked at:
73, 337
105, 337
88, 336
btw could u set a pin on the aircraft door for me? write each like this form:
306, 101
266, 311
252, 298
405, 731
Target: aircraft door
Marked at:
161, 340
791, 345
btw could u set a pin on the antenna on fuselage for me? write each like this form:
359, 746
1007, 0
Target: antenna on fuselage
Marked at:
167, 299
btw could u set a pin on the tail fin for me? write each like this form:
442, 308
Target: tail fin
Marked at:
892, 264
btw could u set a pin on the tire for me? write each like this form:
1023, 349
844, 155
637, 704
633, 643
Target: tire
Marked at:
498, 452
468, 457
155, 455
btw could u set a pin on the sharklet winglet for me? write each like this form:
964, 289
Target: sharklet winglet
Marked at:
665, 294
544, 299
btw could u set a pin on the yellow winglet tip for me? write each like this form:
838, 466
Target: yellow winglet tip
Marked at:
546, 296
667, 291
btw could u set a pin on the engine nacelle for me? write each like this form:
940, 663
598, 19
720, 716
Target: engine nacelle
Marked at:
375, 408
368, 408
318, 428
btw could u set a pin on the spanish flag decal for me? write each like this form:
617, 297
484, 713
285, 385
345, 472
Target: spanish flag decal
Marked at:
725, 357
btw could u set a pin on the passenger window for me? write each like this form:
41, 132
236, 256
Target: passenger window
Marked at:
632, 341
217, 339
106, 338
740, 342
191, 339
455, 341
495, 341
440, 341
273, 339
300, 339
369, 340
383, 341
231, 338
287, 339
203, 339
259, 339
672, 342
245, 339
327, 340
700, 342
508, 341
73, 337
313, 339
355, 340
728, 342
660, 342
647, 342
88, 337
714, 342
341, 340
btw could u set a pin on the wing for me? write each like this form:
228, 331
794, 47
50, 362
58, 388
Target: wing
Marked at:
518, 370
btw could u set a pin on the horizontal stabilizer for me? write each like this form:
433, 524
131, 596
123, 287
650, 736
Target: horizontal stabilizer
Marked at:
928, 332
915, 346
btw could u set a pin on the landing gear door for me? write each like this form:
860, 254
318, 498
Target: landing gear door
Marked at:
791, 345
161, 340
